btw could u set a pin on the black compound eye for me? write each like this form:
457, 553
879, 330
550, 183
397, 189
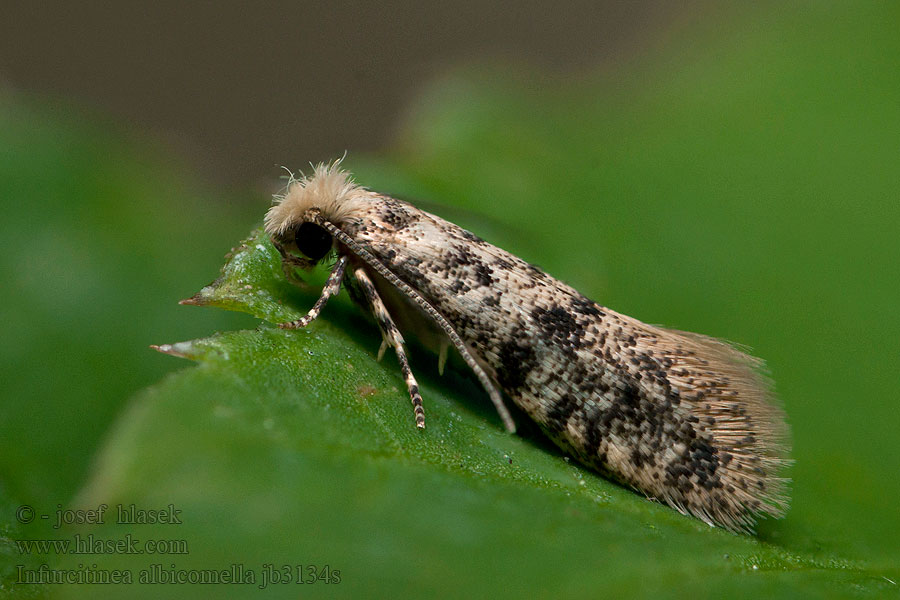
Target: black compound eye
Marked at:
313, 241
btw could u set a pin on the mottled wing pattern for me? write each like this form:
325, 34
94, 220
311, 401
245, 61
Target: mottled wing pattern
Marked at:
681, 417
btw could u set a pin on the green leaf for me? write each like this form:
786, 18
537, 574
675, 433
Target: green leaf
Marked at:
290, 447
252, 281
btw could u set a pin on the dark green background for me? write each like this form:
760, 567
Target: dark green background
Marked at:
743, 183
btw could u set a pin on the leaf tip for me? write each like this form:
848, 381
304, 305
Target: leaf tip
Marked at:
195, 300
181, 349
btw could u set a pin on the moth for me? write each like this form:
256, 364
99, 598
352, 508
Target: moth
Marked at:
686, 419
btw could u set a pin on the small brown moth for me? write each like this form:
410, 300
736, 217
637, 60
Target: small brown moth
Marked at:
683, 418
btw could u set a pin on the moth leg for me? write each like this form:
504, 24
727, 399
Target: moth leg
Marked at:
332, 287
393, 338
440, 319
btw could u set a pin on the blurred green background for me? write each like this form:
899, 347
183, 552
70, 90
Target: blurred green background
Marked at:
731, 171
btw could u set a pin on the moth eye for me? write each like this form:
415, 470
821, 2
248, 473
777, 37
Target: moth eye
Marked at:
313, 241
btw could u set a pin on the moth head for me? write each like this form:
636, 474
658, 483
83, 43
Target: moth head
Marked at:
303, 244
328, 194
